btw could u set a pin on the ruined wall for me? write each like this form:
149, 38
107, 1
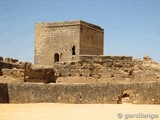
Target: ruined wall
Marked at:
103, 69
11, 70
52, 38
91, 40
137, 93
11, 63
39, 74
88, 69
4, 64
17, 75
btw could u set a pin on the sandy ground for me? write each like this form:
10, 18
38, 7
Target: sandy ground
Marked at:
56, 111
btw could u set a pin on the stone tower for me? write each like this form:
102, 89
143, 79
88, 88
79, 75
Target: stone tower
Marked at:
65, 41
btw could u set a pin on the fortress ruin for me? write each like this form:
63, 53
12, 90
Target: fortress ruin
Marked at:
70, 68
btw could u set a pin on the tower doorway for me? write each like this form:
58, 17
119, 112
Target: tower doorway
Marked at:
56, 57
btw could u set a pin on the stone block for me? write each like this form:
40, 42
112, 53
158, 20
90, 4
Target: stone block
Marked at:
40, 74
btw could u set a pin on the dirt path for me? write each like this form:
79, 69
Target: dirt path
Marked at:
51, 111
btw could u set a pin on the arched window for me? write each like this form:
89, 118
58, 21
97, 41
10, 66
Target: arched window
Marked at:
73, 50
56, 57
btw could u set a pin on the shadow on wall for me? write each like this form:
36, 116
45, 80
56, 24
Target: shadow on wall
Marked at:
4, 96
127, 97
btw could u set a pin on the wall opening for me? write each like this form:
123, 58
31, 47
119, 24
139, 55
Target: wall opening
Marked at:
56, 57
73, 50
125, 95
125, 98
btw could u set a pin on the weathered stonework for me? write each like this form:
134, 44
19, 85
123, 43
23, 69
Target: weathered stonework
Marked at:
104, 69
88, 69
39, 74
65, 41
108, 93
72, 52
11, 70
18, 74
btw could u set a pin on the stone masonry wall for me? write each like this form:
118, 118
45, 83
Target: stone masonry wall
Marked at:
50, 40
91, 41
102, 69
4, 96
137, 93
67, 40
11, 70
39, 74
88, 69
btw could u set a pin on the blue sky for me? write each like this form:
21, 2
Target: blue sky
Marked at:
132, 27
